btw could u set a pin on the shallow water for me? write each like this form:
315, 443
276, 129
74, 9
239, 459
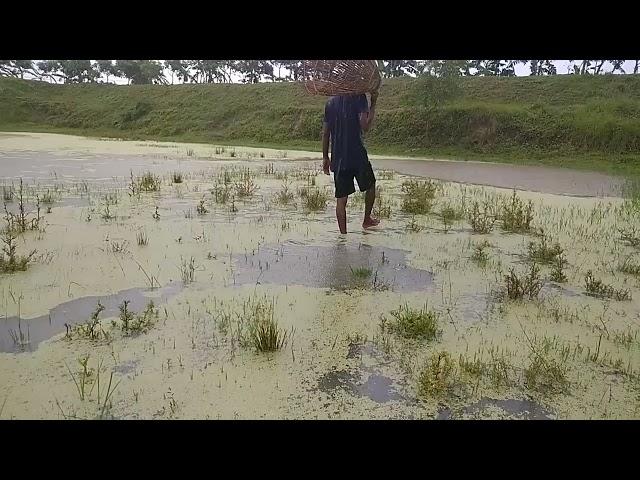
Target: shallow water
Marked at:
329, 267
30, 332
558, 181
517, 408
298, 259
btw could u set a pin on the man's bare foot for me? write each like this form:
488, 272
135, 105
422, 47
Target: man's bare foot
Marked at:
370, 222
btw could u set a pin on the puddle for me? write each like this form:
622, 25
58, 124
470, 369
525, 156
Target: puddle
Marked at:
379, 388
520, 409
38, 329
376, 387
329, 267
364, 381
126, 367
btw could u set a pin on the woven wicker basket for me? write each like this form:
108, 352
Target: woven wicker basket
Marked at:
340, 77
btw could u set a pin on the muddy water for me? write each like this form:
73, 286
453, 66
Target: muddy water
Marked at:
559, 181
30, 332
338, 363
30, 155
34, 166
329, 267
515, 408
364, 378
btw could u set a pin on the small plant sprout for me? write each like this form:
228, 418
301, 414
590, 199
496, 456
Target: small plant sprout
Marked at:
382, 206
557, 269
438, 376
47, 198
119, 246
90, 329
630, 267
142, 239
360, 273
201, 208
156, 215
315, 199
630, 236
10, 261
149, 182
597, 288
544, 252
264, 334
7, 194
246, 185
414, 226
418, 196
480, 255
176, 177
187, 270
415, 324
285, 196
106, 213
481, 221
519, 286
133, 324
516, 215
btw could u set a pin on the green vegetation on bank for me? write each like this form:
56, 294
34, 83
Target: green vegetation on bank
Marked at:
577, 121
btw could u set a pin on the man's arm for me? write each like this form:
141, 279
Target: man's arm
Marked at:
366, 118
325, 147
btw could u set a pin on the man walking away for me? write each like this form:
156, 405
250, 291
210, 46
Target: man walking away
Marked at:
345, 118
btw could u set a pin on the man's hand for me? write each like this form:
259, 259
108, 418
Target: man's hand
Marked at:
325, 165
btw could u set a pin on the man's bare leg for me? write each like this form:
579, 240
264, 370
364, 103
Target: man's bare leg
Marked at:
341, 213
369, 199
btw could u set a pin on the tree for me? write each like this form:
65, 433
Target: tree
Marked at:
495, 67
178, 68
69, 71
444, 68
617, 65
635, 68
253, 70
594, 67
294, 67
399, 68
597, 67
17, 68
583, 69
141, 72
267, 70
279, 64
451, 68
106, 68
50, 69
542, 67
78, 71
509, 69
208, 71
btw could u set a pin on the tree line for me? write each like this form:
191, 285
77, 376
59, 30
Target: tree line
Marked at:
254, 71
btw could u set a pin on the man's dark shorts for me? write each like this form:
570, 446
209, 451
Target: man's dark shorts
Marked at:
344, 180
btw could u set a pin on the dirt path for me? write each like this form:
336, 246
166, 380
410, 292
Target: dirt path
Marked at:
559, 181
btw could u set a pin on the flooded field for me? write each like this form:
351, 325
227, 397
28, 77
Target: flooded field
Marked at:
164, 280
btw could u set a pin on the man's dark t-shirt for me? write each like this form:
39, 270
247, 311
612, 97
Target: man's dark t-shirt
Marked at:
342, 114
